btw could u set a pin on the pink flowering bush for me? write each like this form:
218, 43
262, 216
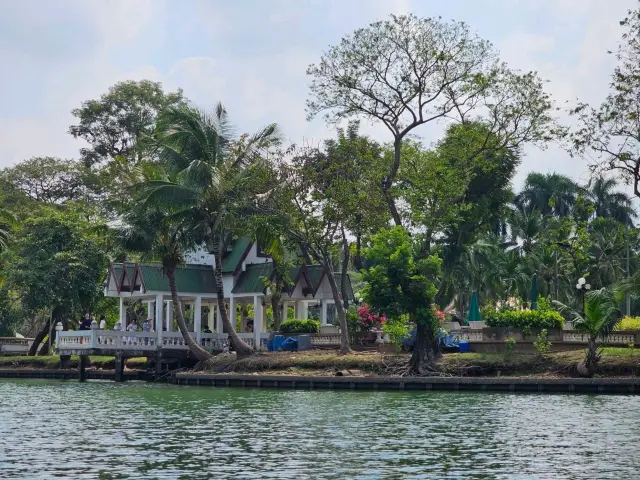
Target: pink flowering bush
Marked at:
369, 320
439, 314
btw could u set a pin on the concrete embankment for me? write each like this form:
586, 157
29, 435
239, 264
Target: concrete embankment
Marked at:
481, 384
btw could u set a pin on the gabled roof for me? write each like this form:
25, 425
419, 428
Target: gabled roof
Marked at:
144, 277
232, 261
251, 280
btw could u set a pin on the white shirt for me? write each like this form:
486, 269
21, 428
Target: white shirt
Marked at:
103, 324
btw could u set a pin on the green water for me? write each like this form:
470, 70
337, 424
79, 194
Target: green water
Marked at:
136, 430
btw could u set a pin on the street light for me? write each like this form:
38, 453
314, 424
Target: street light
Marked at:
582, 286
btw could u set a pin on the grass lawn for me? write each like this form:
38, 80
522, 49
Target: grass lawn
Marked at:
615, 362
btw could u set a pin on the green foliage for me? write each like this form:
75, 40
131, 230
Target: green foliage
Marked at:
397, 329
510, 344
542, 343
300, 326
628, 324
58, 263
524, 318
9, 314
121, 122
399, 282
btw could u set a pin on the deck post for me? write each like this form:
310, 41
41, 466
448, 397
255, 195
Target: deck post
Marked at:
285, 311
119, 368
158, 322
197, 319
83, 367
158, 363
257, 319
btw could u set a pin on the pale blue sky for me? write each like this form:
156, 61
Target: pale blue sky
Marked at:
252, 55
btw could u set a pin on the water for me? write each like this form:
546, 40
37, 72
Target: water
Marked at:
136, 430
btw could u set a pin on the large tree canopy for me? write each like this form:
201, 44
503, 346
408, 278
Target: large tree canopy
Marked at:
409, 71
612, 132
121, 121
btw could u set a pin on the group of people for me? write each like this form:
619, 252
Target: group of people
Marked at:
132, 326
85, 323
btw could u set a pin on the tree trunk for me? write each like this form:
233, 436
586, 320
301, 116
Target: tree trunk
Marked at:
387, 183
357, 260
345, 267
239, 345
200, 353
276, 308
591, 361
426, 351
342, 314
56, 314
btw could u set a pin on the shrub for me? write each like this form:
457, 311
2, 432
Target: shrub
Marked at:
300, 326
368, 319
628, 324
397, 331
510, 343
524, 319
542, 343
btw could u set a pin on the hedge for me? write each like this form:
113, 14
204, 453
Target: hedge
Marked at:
524, 319
628, 324
300, 326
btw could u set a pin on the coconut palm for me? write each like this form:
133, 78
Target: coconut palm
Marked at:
601, 315
610, 203
215, 179
526, 226
550, 194
156, 235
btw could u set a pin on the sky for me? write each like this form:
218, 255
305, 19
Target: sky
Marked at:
252, 55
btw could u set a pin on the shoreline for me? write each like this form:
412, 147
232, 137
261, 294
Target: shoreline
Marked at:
608, 385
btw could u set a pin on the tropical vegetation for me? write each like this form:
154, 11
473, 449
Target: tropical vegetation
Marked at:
423, 228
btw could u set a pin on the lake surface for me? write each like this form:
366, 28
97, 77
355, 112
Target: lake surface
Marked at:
137, 430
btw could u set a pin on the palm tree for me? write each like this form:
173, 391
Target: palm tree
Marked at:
155, 234
610, 203
214, 180
601, 315
550, 194
526, 226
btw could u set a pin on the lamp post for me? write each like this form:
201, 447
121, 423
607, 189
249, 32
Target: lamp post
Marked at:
582, 286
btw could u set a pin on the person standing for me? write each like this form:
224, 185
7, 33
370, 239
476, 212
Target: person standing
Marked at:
146, 327
103, 322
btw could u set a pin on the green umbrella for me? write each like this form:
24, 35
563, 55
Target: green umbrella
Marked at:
534, 292
474, 308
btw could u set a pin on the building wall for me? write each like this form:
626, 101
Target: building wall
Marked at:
199, 257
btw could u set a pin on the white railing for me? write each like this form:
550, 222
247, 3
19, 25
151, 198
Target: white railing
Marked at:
250, 339
147, 341
214, 341
613, 339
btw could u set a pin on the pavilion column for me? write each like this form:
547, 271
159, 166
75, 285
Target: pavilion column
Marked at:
233, 311
150, 309
123, 314
219, 325
257, 320
285, 311
303, 310
169, 314
210, 322
158, 323
197, 319
323, 312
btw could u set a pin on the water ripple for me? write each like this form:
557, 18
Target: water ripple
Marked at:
120, 431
